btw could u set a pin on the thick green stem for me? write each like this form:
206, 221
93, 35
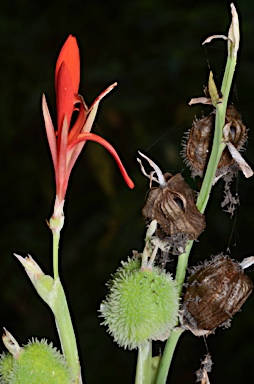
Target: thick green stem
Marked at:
182, 267
65, 330
144, 364
59, 306
168, 355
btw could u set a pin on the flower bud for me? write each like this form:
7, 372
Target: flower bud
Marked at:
141, 305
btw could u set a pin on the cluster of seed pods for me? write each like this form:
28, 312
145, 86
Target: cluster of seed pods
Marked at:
217, 289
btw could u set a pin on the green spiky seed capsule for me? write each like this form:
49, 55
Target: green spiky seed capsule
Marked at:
141, 305
6, 366
38, 363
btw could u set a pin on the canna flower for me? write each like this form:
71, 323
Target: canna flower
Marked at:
74, 122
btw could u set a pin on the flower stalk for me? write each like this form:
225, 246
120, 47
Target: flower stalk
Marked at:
144, 364
65, 330
51, 291
74, 123
217, 149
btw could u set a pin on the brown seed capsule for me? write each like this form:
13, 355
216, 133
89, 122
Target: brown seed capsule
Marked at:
216, 291
197, 149
174, 208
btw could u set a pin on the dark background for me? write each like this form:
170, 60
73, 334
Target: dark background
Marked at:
153, 49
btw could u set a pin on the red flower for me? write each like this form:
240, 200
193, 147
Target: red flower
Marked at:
67, 142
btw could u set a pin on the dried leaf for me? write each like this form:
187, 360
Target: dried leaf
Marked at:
246, 169
247, 262
215, 97
200, 100
233, 33
202, 373
210, 38
160, 178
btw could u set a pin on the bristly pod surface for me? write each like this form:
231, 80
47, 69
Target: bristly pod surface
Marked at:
198, 145
141, 304
215, 291
36, 363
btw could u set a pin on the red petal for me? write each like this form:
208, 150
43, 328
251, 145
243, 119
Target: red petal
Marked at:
79, 123
91, 136
103, 94
70, 55
65, 97
61, 179
51, 135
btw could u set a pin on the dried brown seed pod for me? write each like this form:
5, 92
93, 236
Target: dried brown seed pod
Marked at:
215, 291
197, 148
173, 205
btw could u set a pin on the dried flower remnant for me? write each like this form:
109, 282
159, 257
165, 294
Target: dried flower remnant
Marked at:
216, 290
233, 37
198, 145
202, 372
173, 206
243, 165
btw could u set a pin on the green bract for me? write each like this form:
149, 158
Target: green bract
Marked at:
141, 305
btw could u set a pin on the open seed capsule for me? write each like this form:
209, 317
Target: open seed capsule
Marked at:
174, 208
199, 142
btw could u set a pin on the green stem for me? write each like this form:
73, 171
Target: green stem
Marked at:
56, 239
168, 355
228, 77
144, 364
59, 306
65, 330
218, 144
182, 267
217, 149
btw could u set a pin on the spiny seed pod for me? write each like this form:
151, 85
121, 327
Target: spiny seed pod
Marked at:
174, 208
141, 305
36, 363
215, 291
197, 149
